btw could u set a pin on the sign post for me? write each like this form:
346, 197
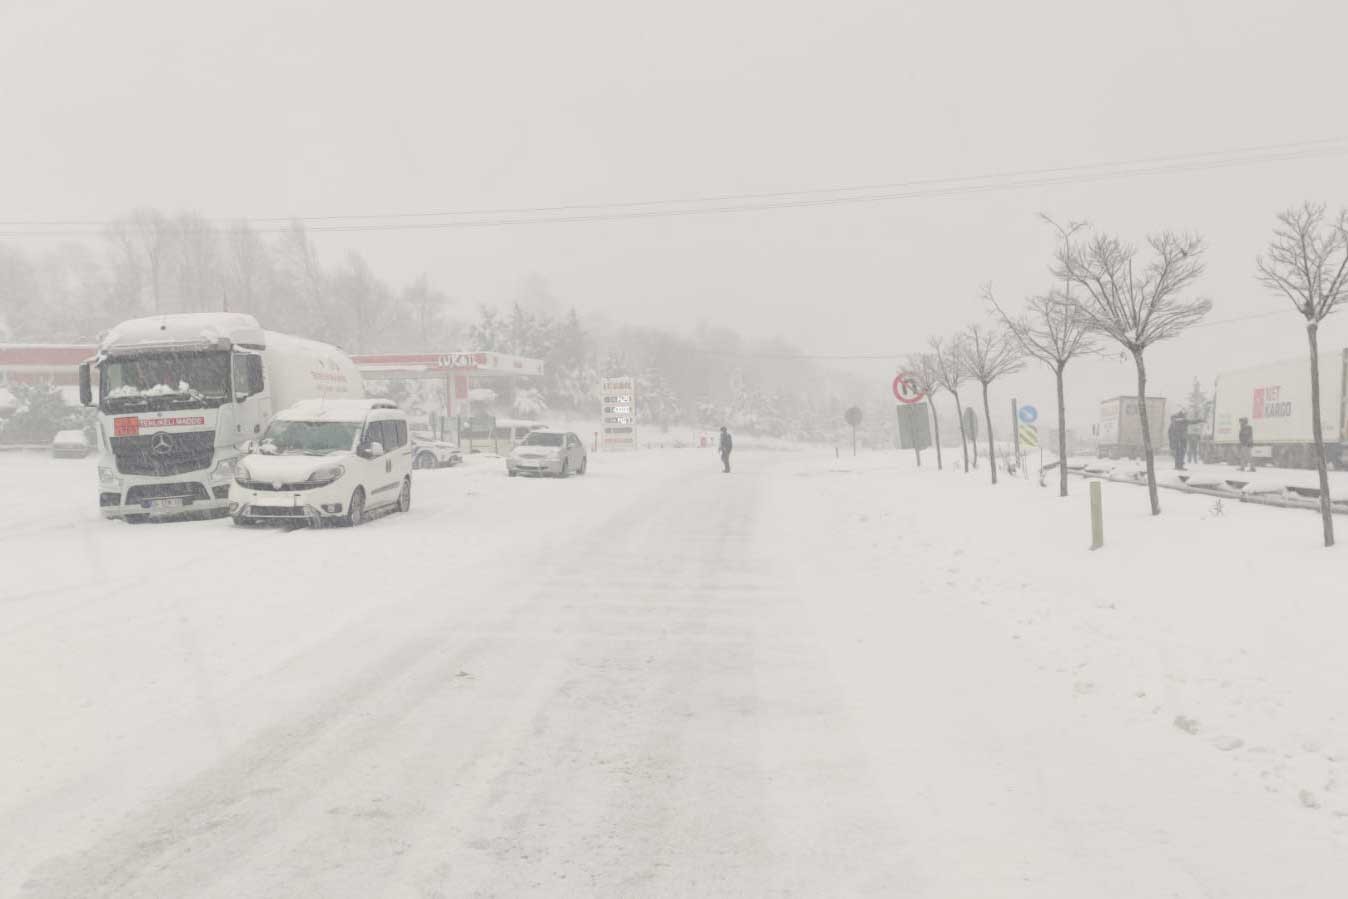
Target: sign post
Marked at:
912, 414
853, 417
1027, 432
1097, 517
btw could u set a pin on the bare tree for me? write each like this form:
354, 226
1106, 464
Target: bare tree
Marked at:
1136, 307
989, 353
1307, 261
154, 234
950, 374
1054, 331
926, 377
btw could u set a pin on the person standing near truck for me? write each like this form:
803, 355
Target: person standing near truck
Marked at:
1179, 438
1246, 446
726, 445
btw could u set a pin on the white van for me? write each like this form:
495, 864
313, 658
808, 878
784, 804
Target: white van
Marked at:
326, 460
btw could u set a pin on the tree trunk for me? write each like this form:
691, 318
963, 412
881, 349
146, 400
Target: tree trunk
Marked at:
964, 442
1326, 515
992, 448
1148, 453
1062, 435
936, 428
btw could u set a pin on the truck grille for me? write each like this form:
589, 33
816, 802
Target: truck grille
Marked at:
162, 453
146, 492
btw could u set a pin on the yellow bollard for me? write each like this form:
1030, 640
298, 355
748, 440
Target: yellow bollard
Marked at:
1097, 517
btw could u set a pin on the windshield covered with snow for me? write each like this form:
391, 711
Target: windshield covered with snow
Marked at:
537, 438
165, 381
315, 438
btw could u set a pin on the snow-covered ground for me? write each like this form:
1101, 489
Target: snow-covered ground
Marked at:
815, 676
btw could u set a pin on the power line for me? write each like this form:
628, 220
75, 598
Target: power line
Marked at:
893, 356
737, 203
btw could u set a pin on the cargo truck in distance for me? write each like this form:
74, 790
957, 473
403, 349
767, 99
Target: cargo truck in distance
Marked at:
1276, 398
178, 394
1120, 429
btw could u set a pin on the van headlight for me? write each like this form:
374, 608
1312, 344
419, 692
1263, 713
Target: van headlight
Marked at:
241, 472
225, 469
106, 475
325, 476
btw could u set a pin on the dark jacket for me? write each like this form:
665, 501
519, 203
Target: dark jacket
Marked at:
726, 442
1179, 430
1246, 435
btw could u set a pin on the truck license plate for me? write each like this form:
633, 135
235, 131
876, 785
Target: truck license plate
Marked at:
170, 503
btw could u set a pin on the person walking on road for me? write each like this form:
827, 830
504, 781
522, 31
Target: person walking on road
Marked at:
1246, 446
726, 445
1179, 438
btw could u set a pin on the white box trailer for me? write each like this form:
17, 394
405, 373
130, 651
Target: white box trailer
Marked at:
177, 394
1276, 398
1120, 429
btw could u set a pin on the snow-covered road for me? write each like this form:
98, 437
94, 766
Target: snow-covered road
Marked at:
812, 677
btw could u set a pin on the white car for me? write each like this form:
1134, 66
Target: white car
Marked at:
70, 445
326, 461
557, 453
428, 452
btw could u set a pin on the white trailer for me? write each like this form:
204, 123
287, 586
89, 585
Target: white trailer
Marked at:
1120, 429
178, 394
1276, 399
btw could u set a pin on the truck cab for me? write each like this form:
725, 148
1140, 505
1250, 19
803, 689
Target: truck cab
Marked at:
178, 394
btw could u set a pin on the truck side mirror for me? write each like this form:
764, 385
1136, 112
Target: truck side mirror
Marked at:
86, 386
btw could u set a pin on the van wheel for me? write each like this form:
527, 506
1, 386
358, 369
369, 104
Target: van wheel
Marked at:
425, 460
355, 510
405, 497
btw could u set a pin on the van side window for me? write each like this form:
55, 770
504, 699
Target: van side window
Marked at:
400, 427
374, 433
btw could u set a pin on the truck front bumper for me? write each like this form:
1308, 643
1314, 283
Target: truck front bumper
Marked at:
180, 498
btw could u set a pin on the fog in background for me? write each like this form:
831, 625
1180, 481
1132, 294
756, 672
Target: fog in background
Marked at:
262, 109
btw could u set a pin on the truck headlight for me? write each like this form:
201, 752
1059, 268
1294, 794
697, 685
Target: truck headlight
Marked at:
106, 475
324, 476
224, 469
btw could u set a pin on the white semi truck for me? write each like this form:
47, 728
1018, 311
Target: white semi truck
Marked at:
178, 394
1276, 398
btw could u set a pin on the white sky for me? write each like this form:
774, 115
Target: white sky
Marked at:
283, 108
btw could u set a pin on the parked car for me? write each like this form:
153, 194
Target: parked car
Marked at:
326, 460
428, 452
557, 453
70, 445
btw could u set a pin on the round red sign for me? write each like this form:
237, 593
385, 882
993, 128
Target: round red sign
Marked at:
905, 388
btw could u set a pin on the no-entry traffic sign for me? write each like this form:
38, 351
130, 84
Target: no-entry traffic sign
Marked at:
905, 388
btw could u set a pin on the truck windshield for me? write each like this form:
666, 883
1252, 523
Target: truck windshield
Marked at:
164, 381
310, 437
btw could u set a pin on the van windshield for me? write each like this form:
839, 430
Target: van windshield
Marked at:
315, 438
537, 438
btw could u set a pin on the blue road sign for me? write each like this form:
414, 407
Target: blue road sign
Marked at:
1028, 414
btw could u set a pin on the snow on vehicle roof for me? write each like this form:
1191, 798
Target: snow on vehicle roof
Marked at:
335, 410
188, 328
